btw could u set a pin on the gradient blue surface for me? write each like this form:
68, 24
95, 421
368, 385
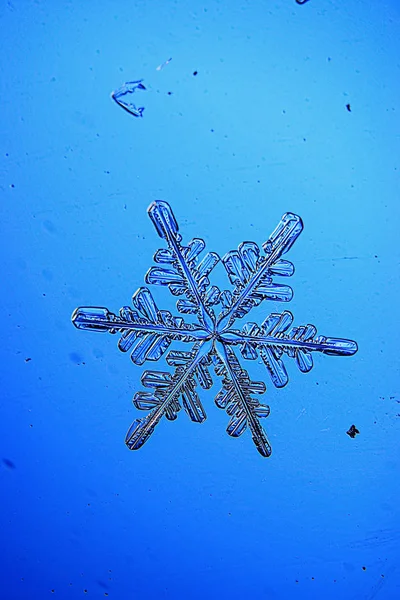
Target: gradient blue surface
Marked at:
261, 129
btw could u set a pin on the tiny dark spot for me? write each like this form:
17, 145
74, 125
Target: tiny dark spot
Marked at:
195, 73
9, 463
12, 185
27, 359
348, 107
169, 93
364, 568
352, 432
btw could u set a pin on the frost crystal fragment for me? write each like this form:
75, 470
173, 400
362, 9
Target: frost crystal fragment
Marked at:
121, 97
214, 336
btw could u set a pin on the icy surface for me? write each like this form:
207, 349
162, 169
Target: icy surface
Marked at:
215, 337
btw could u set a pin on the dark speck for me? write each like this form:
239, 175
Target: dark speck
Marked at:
352, 432
348, 107
169, 93
9, 463
27, 359
195, 73
364, 568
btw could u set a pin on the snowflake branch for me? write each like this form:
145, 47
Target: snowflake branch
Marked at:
236, 399
275, 338
146, 332
252, 274
184, 276
169, 389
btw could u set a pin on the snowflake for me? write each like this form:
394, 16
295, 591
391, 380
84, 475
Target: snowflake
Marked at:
214, 340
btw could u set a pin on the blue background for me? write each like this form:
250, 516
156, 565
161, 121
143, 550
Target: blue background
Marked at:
262, 129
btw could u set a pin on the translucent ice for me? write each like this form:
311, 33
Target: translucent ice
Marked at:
214, 335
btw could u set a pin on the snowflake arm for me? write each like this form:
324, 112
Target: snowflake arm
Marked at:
145, 332
252, 274
191, 367
276, 337
236, 398
183, 275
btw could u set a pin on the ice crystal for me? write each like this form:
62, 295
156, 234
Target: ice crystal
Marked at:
215, 338
123, 99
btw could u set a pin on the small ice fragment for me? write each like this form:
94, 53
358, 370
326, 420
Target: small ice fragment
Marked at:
164, 64
121, 97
